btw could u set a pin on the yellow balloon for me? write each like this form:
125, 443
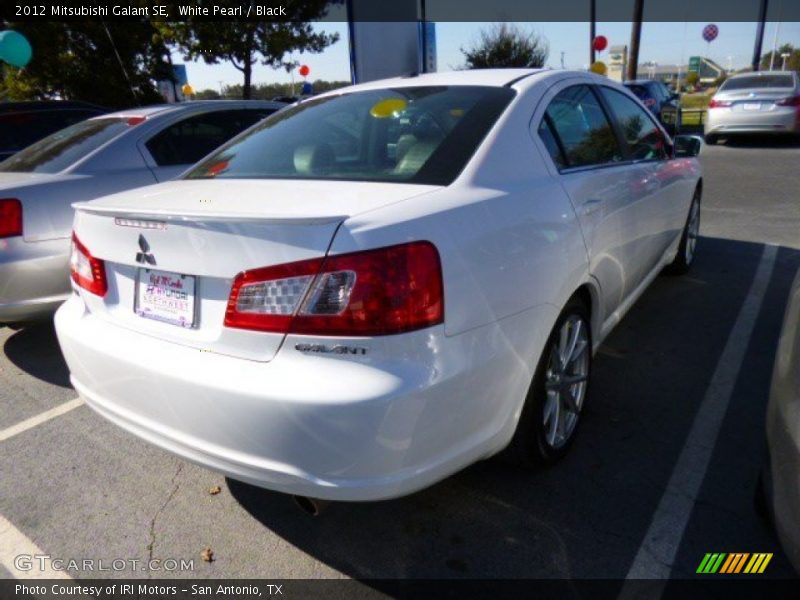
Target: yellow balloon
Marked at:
386, 108
187, 90
599, 67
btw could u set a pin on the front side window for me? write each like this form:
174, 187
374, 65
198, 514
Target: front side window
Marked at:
642, 135
189, 140
581, 128
416, 135
62, 149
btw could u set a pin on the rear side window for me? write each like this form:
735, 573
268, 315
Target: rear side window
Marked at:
551, 143
581, 129
189, 140
62, 149
644, 138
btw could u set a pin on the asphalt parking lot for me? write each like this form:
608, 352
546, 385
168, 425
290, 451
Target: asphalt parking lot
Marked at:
663, 471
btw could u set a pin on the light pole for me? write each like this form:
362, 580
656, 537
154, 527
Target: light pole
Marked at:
636, 35
592, 30
762, 19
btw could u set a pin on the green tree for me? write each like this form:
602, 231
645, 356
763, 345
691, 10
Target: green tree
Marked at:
245, 42
792, 62
112, 64
208, 94
507, 45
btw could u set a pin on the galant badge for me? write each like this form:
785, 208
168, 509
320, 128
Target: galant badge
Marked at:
145, 256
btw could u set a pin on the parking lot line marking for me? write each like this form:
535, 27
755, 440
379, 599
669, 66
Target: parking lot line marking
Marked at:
656, 555
39, 419
14, 543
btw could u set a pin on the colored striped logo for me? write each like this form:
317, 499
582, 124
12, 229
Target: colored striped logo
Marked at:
735, 562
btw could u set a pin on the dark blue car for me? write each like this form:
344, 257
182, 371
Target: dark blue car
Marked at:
662, 102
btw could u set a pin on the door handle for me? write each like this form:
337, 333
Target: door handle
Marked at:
591, 206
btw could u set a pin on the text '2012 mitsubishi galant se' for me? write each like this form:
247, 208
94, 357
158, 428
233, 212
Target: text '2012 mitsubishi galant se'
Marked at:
374, 288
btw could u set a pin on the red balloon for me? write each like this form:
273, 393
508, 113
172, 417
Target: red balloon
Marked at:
304, 70
600, 43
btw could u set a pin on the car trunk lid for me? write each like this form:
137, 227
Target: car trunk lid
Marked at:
754, 99
196, 236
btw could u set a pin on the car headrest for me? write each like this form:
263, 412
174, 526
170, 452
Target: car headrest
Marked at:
313, 159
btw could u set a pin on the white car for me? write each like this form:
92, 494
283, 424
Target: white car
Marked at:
376, 287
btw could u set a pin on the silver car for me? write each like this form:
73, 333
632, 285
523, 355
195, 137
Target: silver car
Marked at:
782, 477
761, 102
100, 156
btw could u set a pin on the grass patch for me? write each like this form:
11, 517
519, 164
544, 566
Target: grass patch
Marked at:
695, 100
692, 118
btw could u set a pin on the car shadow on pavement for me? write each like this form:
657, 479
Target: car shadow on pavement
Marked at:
762, 141
586, 517
34, 349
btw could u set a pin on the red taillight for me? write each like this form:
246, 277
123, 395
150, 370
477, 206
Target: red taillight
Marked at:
719, 103
790, 101
10, 217
375, 292
649, 102
86, 270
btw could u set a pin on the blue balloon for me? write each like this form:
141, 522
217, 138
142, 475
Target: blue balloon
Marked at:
15, 48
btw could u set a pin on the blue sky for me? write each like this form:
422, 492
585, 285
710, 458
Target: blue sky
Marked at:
664, 43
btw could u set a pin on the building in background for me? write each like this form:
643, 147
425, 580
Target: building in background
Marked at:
707, 70
617, 62
407, 44
173, 90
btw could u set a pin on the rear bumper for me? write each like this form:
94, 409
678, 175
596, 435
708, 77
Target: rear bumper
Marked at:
726, 121
34, 278
327, 427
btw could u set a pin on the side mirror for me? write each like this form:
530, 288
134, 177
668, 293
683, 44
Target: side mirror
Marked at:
687, 146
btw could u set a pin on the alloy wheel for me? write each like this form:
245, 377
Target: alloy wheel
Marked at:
692, 231
566, 381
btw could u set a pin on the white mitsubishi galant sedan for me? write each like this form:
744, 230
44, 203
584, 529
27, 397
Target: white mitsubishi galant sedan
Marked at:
376, 287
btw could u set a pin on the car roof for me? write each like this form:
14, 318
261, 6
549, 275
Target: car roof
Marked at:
643, 82
484, 77
155, 109
761, 74
34, 105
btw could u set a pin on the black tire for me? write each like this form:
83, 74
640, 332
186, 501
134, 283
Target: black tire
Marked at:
686, 252
711, 139
762, 498
530, 447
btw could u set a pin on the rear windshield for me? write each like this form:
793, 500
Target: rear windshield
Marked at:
413, 135
758, 81
60, 150
21, 129
639, 91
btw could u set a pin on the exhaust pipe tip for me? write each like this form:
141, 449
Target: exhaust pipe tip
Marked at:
311, 506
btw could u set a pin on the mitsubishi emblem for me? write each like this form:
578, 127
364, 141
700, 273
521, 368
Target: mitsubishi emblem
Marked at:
145, 256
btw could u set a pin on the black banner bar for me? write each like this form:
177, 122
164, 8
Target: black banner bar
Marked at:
408, 10
723, 587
